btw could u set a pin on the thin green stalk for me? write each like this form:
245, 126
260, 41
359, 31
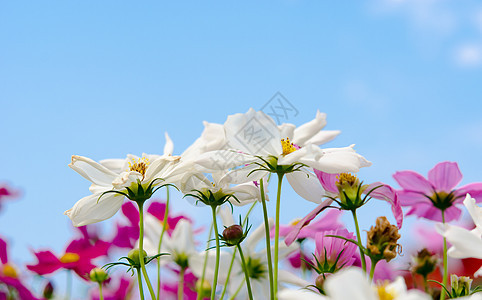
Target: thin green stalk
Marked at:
237, 291
372, 269
199, 291
141, 251
164, 228
101, 296
234, 254
139, 279
276, 234
446, 273
180, 286
246, 274
358, 237
268, 240
218, 254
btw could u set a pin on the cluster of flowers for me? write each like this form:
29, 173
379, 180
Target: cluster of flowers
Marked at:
231, 164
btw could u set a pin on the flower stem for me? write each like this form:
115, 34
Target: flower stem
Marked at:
101, 296
200, 289
246, 274
276, 234
234, 254
218, 254
139, 279
425, 283
180, 286
372, 269
69, 285
268, 240
141, 251
358, 237
164, 227
446, 273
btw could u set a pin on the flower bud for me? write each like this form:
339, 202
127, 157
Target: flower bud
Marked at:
134, 256
233, 235
98, 275
48, 292
203, 288
424, 262
320, 281
382, 240
350, 190
460, 285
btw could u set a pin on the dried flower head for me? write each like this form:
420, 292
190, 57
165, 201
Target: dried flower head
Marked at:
382, 240
424, 263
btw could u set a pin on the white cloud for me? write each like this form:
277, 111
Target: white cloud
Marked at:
469, 55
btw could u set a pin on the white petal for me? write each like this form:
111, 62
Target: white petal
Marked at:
255, 236
474, 210
323, 137
116, 165
306, 131
359, 287
90, 209
223, 160
169, 146
196, 263
92, 171
290, 278
464, 242
287, 131
304, 294
212, 138
306, 185
183, 238
226, 215
338, 160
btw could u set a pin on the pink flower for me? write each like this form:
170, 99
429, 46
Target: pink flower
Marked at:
78, 257
9, 276
169, 290
329, 221
427, 198
110, 292
7, 193
127, 235
332, 253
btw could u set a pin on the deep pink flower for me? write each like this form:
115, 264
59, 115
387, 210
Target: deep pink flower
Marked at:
78, 257
127, 235
377, 190
111, 292
9, 275
427, 198
335, 251
169, 290
7, 193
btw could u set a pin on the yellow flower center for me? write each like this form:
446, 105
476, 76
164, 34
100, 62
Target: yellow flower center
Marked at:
287, 146
9, 271
347, 178
140, 165
384, 293
164, 223
295, 222
69, 257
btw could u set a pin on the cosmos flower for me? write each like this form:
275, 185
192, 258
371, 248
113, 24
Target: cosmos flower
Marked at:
427, 198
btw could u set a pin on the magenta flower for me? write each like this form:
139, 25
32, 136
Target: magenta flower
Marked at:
7, 193
169, 290
333, 253
9, 276
329, 221
127, 235
78, 257
427, 198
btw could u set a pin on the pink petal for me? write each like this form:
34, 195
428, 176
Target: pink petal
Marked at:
413, 181
474, 189
386, 193
407, 198
47, 263
3, 251
328, 181
445, 176
131, 212
291, 237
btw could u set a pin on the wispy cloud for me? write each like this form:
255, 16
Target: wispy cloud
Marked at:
469, 55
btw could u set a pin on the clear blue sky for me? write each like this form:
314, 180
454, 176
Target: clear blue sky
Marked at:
400, 79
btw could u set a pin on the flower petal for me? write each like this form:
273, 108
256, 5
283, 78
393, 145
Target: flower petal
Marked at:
414, 182
445, 176
385, 192
169, 146
92, 171
306, 185
306, 131
464, 242
90, 209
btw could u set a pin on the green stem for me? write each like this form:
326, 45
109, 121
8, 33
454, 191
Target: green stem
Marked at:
164, 228
237, 291
446, 273
372, 269
141, 251
218, 254
180, 286
139, 279
268, 240
425, 283
276, 234
358, 236
234, 253
101, 296
200, 288
246, 274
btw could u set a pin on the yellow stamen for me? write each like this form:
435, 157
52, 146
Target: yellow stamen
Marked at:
164, 224
9, 271
346, 178
295, 222
384, 293
139, 165
69, 257
287, 146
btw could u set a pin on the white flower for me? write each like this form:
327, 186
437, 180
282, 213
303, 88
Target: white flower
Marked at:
253, 140
352, 283
465, 243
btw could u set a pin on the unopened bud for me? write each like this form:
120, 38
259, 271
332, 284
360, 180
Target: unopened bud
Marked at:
134, 256
203, 288
48, 292
350, 190
382, 240
98, 275
233, 235
424, 262
460, 285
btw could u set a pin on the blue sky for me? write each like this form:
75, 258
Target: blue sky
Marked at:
400, 79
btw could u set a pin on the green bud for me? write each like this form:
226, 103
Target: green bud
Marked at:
134, 256
98, 275
460, 285
48, 292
